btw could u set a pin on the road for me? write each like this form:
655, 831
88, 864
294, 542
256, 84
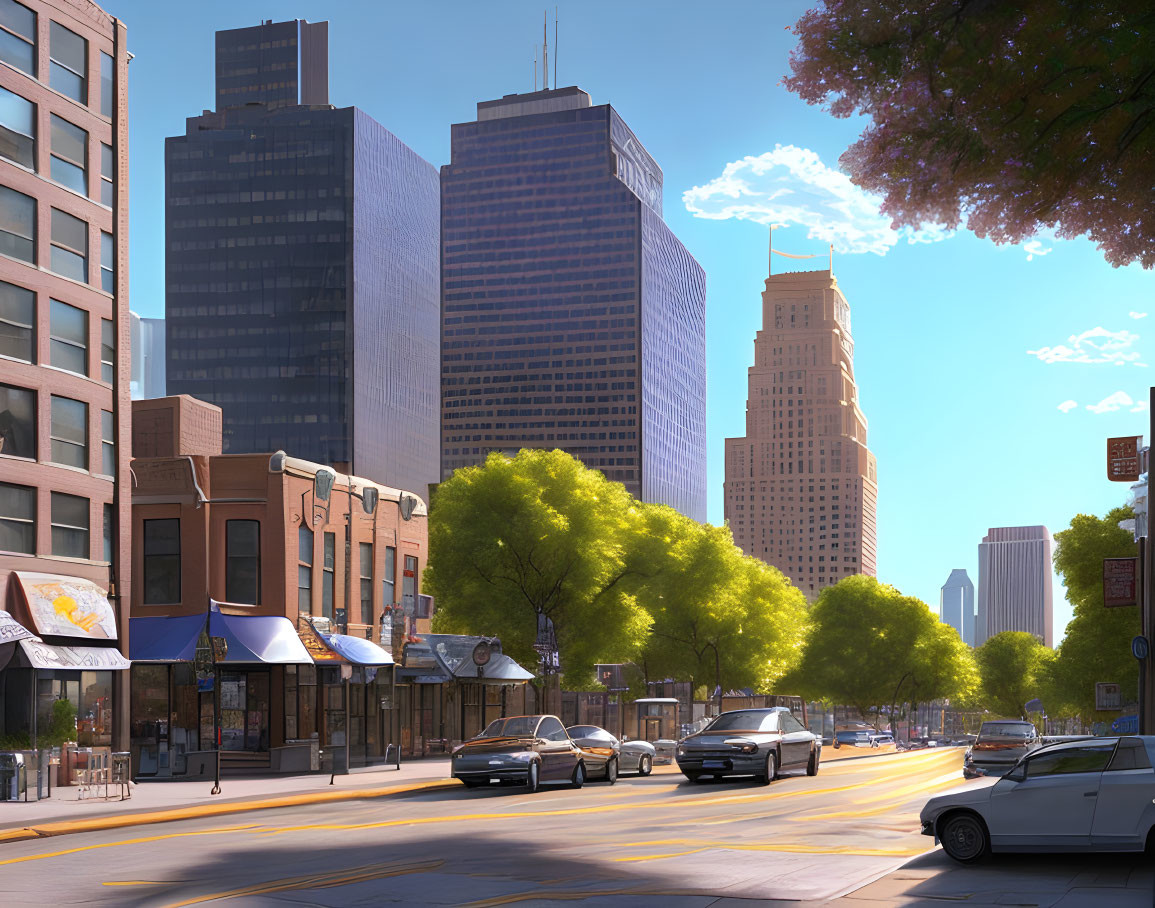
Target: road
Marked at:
689, 844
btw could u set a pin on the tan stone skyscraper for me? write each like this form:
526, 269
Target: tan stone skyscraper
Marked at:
801, 487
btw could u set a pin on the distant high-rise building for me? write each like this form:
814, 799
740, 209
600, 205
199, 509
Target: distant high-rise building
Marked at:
572, 317
1015, 583
801, 486
956, 605
148, 368
302, 267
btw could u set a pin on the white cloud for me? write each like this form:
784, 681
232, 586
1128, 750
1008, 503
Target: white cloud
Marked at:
1035, 247
1118, 401
1097, 345
1068, 405
1137, 314
791, 186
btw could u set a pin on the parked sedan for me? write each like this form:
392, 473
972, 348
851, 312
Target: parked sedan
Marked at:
532, 750
632, 756
752, 742
1000, 744
1094, 795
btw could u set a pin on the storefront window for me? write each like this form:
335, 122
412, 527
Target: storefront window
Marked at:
149, 712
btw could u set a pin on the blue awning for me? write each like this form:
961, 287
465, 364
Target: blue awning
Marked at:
164, 639
358, 650
267, 639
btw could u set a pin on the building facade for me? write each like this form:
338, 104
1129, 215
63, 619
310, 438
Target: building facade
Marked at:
284, 558
65, 575
956, 605
148, 359
302, 289
1015, 583
801, 487
572, 317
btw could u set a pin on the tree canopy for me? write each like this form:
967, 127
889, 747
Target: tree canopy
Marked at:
1011, 666
1014, 116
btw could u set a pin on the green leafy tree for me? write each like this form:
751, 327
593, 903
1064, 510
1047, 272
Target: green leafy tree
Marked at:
943, 667
1012, 666
1015, 116
720, 617
539, 536
1097, 645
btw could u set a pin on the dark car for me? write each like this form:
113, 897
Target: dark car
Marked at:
750, 742
998, 747
531, 750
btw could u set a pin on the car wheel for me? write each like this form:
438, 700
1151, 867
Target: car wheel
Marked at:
612, 771
579, 775
964, 838
812, 765
645, 765
771, 770
533, 777
692, 776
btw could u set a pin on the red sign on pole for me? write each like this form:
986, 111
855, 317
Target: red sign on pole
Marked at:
1120, 581
1123, 458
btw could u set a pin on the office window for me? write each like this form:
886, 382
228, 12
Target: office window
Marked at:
107, 444
107, 263
243, 561
68, 63
389, 581
18, 36
328, 573
69, 155
68, 343
17, 322
409, 585
162, 561
305, 571
17, 422
17, 518
69, 246
109, 532
107, 350
107, 76
69, 432
107, 180
366, 563
17, 225
17, 129
69, 525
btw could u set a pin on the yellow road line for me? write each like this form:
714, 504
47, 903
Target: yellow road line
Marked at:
139, 841
875, 811
791, 847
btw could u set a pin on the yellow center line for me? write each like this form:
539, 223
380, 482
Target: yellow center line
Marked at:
139, 841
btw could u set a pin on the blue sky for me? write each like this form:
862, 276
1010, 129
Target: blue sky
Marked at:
970, 429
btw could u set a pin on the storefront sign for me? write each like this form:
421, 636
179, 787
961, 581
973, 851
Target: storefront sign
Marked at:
83, 658
12, 630
68, 606
1120, 581
1108, 696
1123, 458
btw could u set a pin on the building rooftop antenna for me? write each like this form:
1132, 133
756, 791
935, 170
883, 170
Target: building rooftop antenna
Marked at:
545, 50
555, 47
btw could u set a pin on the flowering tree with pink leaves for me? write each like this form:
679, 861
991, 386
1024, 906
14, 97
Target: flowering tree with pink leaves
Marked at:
1015, 116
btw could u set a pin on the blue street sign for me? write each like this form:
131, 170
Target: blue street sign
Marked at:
1126, 725
1140, 648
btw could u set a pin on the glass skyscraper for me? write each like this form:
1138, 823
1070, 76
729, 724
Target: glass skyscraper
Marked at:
302, 267
572, 317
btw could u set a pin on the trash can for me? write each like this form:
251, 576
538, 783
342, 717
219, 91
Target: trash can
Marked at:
13, 778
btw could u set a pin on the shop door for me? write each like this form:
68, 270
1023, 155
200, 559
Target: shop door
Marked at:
245, 711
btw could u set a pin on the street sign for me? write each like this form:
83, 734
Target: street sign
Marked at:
1120, 581
1140, 647
1108, 696
1123, 458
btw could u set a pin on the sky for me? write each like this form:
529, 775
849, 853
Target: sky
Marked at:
991, 376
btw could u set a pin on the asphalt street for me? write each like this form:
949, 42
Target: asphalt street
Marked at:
640, 841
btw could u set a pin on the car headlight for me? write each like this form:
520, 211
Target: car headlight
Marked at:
522, 757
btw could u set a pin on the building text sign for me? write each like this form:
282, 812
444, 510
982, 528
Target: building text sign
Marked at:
1123, 458
1120, 581
1108, 696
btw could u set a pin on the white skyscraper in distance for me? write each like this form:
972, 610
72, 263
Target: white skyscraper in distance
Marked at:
1015, 583
956, 605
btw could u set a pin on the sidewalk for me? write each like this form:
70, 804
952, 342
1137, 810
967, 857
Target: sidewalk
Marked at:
161, 801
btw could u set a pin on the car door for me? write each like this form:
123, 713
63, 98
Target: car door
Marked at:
796, 741
1049, 799
558, 753
1124, 806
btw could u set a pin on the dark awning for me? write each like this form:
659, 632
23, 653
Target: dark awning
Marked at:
164, 639
268, 639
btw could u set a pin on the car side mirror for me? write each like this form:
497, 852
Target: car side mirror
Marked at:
1018, 774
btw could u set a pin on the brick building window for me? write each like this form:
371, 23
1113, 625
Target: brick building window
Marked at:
365, 563
18, 36
68, 63
17, 225
107, 443
69, 155
107, 263
107, 181
17, 322
243, 561
328, 575
389, 576
69, 246
17, 129
17, 422
107, 75
69, 525
17, 518
107, 350
69, 432
162, 561
305, 571
68, 332
109, 532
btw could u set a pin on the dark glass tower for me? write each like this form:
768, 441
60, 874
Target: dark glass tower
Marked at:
572, 317
302, 267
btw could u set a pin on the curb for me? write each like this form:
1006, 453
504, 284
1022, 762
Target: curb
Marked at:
116, 821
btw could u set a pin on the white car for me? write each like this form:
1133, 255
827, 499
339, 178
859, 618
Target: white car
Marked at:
1093, 795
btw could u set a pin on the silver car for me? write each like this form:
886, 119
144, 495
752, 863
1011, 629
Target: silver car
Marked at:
750, 742
633, 756
1094, 795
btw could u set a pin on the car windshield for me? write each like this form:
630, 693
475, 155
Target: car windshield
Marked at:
582, 731
1017, 730
744, 720
852, 735
517, 727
